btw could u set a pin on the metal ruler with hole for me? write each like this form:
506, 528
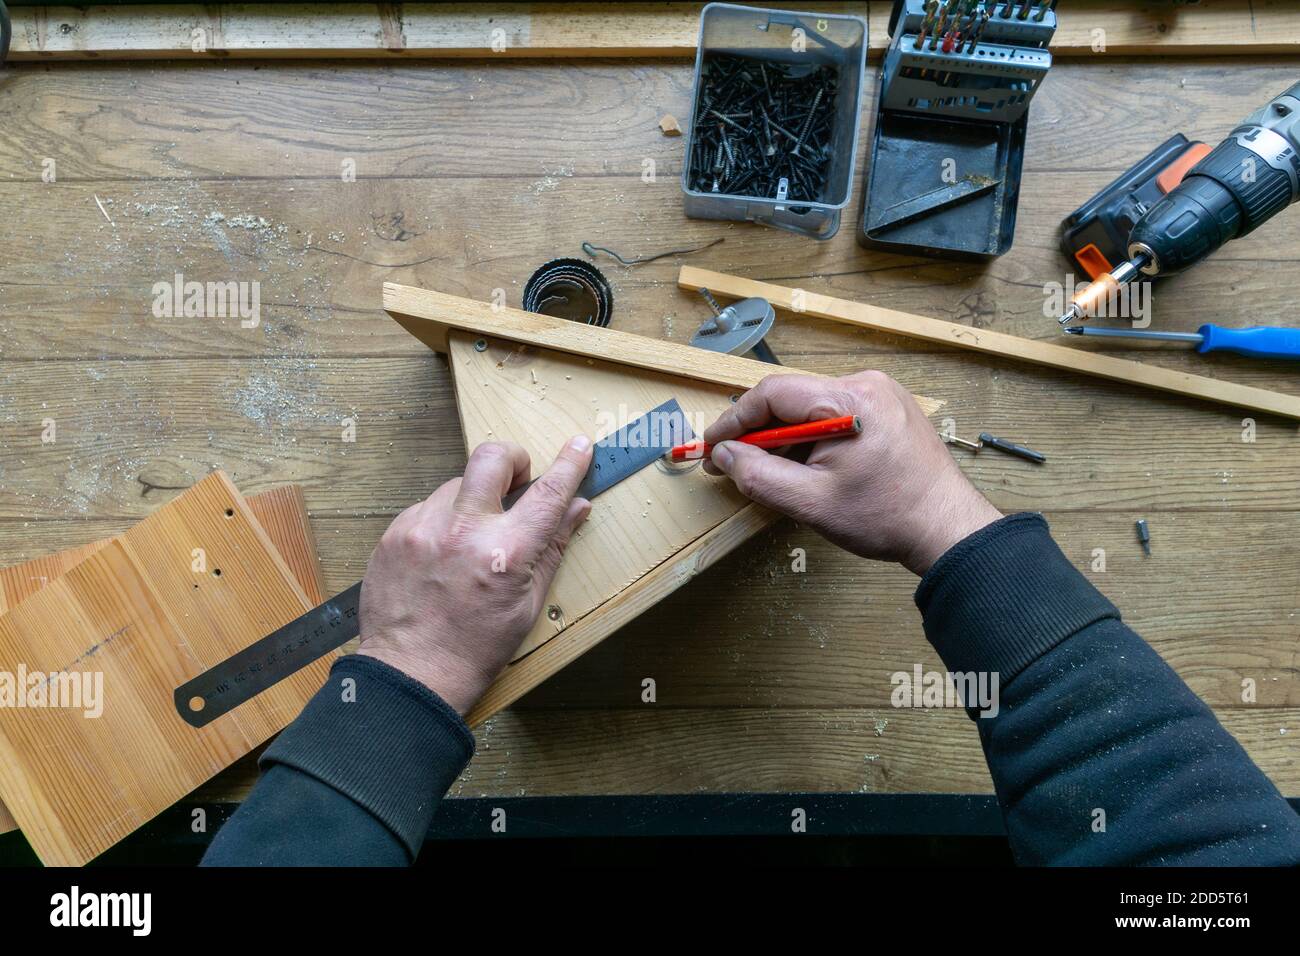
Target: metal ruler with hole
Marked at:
285, 651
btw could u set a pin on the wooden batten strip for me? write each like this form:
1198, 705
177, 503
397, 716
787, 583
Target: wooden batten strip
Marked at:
1075, 360
429, 315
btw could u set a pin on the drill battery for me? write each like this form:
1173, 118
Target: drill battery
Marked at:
1096, 234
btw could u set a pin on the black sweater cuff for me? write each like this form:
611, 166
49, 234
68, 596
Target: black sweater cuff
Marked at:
385, 741
1003, 597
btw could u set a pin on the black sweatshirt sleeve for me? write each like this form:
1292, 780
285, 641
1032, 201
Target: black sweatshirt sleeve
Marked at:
1091, 725
354, 780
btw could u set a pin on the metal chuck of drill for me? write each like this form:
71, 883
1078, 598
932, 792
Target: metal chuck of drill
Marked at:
1243, 182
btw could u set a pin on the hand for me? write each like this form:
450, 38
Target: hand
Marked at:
455, 583
892, 493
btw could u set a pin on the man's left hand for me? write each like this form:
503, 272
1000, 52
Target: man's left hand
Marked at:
456, 583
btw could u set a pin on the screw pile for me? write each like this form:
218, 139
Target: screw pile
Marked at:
762, 129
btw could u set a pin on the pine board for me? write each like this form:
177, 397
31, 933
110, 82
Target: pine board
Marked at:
150, 623
281, 512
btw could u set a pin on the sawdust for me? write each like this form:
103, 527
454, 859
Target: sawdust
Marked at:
264, 400
280, 412
551, 178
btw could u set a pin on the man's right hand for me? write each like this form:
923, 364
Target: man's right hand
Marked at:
892, 493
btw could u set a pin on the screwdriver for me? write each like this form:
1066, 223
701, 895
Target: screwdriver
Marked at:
778, 437
1260, 341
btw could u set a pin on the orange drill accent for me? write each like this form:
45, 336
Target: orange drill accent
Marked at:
1173, 174
1093, 261
1095, 292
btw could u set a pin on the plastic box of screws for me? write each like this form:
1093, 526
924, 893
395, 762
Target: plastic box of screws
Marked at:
775, 117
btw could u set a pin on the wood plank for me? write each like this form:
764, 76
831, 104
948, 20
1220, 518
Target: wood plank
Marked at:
318, 296
554, 30
660, 750
20, 581
281, 512
151, 620
827, 638
989, 342
121, 123
430, 315
130, 433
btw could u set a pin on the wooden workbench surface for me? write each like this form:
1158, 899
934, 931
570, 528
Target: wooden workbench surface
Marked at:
468, 176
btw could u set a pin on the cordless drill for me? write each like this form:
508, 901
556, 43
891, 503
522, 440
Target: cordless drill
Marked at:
1239, 185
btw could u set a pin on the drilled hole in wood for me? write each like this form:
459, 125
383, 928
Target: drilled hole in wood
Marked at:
230, 512
216, 572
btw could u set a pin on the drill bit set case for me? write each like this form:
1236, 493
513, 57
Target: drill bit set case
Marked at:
949, 138
775, 117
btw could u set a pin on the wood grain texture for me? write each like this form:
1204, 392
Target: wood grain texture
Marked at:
133, 129
20, 581
654, 749
1159, 27
138, 612
281, 512
1062, 357
463, 185
150, 426
827, 638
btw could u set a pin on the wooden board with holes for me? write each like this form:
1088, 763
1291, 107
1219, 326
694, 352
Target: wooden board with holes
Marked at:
281, 512
538, 380
182, 590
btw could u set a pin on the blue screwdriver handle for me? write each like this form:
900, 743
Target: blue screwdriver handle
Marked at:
1261, 341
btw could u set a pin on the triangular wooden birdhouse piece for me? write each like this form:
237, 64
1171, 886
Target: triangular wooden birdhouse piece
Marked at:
537, 380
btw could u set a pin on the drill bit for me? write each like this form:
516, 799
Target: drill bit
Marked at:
978, 32
1144, 536
940, 25
935, 34
931, 9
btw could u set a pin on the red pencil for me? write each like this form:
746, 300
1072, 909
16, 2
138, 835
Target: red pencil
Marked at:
778, 437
